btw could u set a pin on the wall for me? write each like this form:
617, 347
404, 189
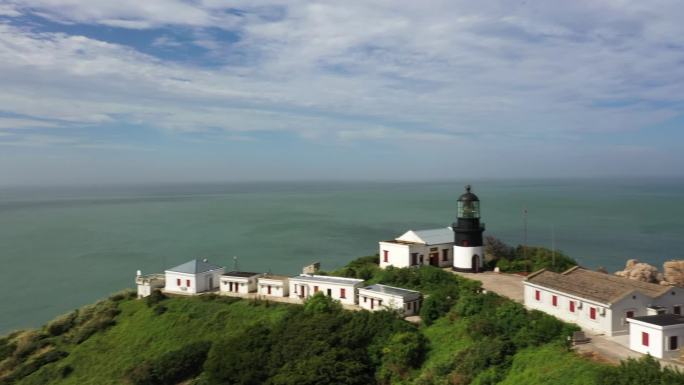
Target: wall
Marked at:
388, 302
335, 288
581, 315
655, 340
463, 256
400, 254
198, 282
278, 288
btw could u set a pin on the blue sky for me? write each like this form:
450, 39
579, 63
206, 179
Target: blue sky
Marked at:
168, 90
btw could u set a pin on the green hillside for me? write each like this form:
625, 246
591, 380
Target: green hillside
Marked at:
466, 338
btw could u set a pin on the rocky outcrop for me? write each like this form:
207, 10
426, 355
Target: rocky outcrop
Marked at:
673, 272
640, 271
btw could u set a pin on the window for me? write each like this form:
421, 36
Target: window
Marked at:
629, 314
315, 289
592, 313
342, 293
269, 289
554, 300
572, 306
187, 282
178, 282
365, 299
465, 243
674, 344
414, 259
644, 338
329, 292
385, 255
379, 302
677, 310
537, 295
445, 254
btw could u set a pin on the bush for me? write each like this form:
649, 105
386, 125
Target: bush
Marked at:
154, 298
35, 364
172, 367
404, 351
122, 295
435, 306
645, 370
62, 324
160, 309
7, 348
240, 359
320, 303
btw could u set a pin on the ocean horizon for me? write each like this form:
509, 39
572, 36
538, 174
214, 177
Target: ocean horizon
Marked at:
67, 246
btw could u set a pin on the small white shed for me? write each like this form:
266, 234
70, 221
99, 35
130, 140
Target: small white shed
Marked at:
659, 335
193, 277
148, 283
383, 297
239, 282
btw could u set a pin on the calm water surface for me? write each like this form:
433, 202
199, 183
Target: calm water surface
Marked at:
61, 248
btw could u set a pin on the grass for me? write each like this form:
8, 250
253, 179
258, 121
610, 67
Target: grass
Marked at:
552, 364
139, 333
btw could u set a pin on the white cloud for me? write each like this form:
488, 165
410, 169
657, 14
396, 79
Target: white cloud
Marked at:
359, 70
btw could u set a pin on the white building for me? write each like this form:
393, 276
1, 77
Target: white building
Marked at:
148, 283
383, 297
420, 247
598, 302
193, 277
339, 288
658, 335
271, 285
239, 282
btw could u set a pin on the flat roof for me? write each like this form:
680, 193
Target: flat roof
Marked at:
327, 279
274, 277
241, 274
406, 294
661, 319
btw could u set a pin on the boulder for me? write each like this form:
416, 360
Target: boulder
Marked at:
640, 271
673, 272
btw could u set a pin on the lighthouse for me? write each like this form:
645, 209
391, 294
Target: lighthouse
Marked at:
468, 249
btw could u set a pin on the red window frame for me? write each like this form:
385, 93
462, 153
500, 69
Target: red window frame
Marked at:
385, 255
537, 295
343, 293
592, 312
554, 300
572, 306
187, 281
178, 281
269, 289
644, 338
629, 314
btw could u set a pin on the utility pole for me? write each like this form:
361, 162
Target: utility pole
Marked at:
553, 247
525, 233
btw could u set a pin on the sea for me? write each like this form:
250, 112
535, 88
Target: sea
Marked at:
64, 247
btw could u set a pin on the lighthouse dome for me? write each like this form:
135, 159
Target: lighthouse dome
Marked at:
468, 205
468, 196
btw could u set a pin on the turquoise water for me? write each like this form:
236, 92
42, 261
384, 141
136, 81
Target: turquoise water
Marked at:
61, 248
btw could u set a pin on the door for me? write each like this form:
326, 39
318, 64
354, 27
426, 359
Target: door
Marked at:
301, 291
210, 280
372, 303
269, 289
434, 259
674, 344
476, 263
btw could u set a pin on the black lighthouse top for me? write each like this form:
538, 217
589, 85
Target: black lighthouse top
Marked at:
468, 205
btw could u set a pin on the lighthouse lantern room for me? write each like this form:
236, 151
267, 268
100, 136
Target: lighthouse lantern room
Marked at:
468, 249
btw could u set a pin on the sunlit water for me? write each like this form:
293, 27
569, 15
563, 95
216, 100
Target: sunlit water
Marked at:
61, 248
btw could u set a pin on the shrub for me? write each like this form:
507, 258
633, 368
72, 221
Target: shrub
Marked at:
172, 367
154, 298
404, 351
240, 359
319, 303
7, 348
62, 324
28, 342
35, 364
160, 309
122, 295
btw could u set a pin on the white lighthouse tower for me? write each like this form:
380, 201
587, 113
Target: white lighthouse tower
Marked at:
468, 248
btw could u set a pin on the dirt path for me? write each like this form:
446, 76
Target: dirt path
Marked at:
507, 285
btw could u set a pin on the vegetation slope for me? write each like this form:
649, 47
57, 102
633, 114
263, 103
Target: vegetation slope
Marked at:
466, 337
